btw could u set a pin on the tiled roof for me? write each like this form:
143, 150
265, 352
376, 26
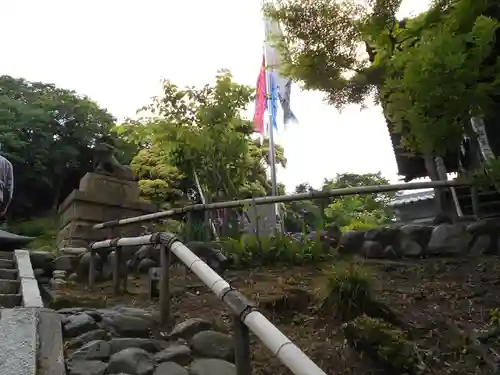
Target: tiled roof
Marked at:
413, 197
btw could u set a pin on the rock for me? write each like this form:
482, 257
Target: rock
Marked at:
82, 270
442, 218
38, 272
43, 260
482, 245
133, 361
73, 277
390, 253
125, 323
78, 324
486, 226
96, 349
147, 251
57, 283
212, 344
372, 249
449, 239
59, 274
409, 247
86, 337
178, 353
189, 328
87, 368
211, 366
73, 250
384, 236
73, 310
171, 368
145, 265
418, 233
66, 263
107, 267
118, 344
351, 242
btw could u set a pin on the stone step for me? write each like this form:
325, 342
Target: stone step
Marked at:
6, 255
7, 264
9, 301
9, 286
8, 274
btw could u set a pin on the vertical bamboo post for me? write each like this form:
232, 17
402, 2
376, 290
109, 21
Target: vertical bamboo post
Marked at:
242, 354
117, 265
92, 269
165, 258
206, 225
189, 226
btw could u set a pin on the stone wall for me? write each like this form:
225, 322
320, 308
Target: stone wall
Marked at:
416, 240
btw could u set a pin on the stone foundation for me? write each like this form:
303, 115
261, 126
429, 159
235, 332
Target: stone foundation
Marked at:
100, 198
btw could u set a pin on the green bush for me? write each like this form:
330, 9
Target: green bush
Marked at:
383, 343
359, 225
348, 290
44, 229
251, 251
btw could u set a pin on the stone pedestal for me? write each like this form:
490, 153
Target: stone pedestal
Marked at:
99, 198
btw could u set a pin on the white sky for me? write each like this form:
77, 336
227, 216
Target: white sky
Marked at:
116, 52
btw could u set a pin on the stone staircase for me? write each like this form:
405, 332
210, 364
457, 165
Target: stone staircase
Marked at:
30, 335
10, 286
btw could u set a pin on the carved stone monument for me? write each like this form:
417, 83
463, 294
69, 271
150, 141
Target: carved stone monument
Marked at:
108, 193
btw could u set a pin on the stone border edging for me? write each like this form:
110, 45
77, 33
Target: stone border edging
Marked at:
29, 285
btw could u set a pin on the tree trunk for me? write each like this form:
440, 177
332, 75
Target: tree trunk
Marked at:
57, 196
439, 193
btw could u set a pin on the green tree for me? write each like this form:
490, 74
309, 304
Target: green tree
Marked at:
358, 211
48, 134
431, 72
200, 131
354, 211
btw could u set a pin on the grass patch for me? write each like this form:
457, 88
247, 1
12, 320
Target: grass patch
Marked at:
348, 290
383, 343
251, 251
44, 229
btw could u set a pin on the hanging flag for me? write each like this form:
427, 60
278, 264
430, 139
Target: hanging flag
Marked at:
260, 99
273, 60
273, 98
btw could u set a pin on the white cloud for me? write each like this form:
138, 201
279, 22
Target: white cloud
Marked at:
116, 52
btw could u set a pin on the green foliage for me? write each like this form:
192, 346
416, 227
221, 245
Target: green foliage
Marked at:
44, 229
347, 212
199, 130
430, 72
384, 343
47, 133
252, 251
348, 291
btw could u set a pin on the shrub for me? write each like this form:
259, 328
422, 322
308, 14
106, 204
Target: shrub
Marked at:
252, 251
44, 229
348, 291
383, 343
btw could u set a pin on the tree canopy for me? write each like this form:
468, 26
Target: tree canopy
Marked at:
199, 131
349, 212
47, 133
431, 72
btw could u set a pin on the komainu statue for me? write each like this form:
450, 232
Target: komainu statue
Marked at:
105, 162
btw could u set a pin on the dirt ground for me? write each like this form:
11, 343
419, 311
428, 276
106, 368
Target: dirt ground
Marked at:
447, 301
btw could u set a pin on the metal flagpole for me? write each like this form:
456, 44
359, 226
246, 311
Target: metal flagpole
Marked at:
272, 154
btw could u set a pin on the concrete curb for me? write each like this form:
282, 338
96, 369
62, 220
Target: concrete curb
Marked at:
29, 285
31, 342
